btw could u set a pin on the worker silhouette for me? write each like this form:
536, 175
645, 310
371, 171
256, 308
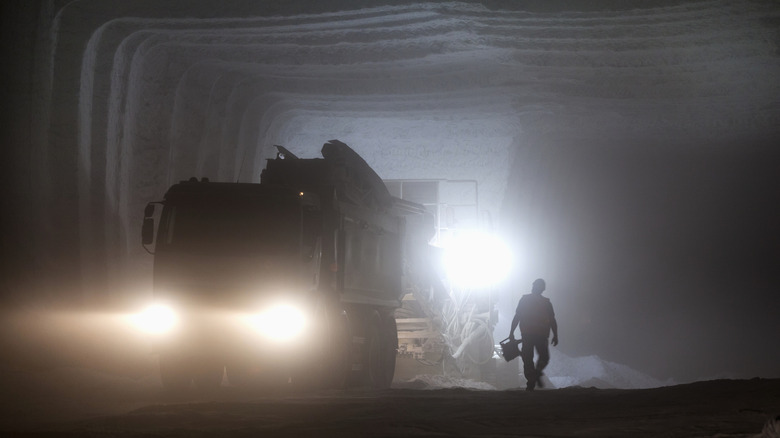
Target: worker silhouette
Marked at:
536, 318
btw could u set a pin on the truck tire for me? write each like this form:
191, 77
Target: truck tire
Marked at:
337, 376
175, 373
358, 341
327, 364
381, 349
389, 348
374, 363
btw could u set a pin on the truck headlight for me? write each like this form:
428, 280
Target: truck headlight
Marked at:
156, 319
281, 322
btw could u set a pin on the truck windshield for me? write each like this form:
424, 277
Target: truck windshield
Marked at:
232, 227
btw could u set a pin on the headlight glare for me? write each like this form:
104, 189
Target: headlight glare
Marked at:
281, 322
156, 319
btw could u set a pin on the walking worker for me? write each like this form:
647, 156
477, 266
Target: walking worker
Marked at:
536, 318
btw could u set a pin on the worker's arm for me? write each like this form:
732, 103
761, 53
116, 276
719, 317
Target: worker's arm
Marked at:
515, 321
554, 327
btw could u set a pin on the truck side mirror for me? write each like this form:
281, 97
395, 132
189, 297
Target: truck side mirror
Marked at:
149, 210
147, 230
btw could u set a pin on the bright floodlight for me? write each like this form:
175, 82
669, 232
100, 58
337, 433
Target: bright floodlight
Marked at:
477, 260
281, 322
156, 319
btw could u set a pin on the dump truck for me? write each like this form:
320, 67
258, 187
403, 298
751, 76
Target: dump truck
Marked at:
290, 281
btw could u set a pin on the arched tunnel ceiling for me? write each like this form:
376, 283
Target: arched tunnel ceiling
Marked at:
145, 94
164, 98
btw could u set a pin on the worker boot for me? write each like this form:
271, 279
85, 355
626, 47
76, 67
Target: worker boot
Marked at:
531, 384
538, 379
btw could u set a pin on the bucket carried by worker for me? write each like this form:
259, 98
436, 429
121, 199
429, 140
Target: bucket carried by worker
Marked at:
510, 349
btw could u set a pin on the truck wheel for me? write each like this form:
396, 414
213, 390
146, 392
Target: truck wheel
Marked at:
389, 348
175, 373
341, 366
359, 346
381, 344
327, 362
